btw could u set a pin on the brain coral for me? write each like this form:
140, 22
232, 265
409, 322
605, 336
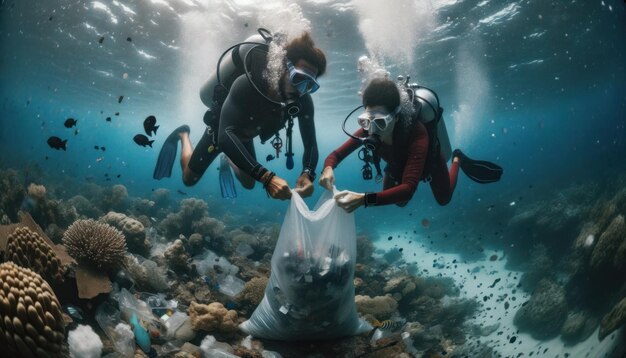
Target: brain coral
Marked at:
31, 323
95, 244
27, 249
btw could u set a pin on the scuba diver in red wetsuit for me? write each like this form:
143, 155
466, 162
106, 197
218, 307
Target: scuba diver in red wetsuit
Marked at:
244, 104
413, 142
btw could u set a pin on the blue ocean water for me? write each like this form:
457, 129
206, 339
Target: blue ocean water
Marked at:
537, 86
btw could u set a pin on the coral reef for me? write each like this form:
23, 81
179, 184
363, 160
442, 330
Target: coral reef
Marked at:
114, 198
146, 274
604, 252
253, 293
364, 249
133, 230
208, 226
37, 192
32, 323
84, 207
578, 327
143, 207
381, 307
95, 244
177, 257
213, 317
161, 197
193, 291
13, 193
539, 267
192, 217
196, 244
546, 311
613, 320
27, 249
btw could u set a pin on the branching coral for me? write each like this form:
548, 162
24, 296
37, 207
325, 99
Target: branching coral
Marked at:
177, 257
27, 249
37, 192
114, 198
32, 324
96, 244
213, 317
193, 217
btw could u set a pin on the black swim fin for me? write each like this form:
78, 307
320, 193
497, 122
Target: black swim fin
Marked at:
480, 171
167, 154
227, 183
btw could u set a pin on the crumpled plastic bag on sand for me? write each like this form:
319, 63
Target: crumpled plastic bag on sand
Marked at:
310, 294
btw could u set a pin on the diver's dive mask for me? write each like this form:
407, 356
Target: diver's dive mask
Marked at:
302, 80
376, 122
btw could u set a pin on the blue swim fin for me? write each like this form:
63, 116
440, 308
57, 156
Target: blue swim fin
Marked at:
227, 183
165, 162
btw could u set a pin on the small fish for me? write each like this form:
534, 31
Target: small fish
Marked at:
117, 113
119, 175
99, 159
425, 223
387, 325
493, 257
46, 157
269, 157
108, 119
129, 39
103, 149
506, 305
119, 100
101, 40
142, 140
76, 132
57, 143
96, 147
50, 18
70, 122
181, 192
149, 125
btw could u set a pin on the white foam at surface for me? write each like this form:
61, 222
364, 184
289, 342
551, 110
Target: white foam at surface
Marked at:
492, 312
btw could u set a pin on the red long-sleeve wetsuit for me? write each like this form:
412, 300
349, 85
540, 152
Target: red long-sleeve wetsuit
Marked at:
405, 168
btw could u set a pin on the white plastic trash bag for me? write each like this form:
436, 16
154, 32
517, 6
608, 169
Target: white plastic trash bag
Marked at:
310, 294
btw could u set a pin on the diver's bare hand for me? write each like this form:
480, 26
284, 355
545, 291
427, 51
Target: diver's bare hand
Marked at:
349, 201
304, 187
327, 180
278, 188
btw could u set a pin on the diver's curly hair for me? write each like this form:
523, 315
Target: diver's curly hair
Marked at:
303, 48
382, 92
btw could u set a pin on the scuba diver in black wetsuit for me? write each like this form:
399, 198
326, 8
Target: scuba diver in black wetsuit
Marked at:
244, 104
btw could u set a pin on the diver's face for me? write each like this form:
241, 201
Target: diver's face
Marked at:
289, 90
377, 120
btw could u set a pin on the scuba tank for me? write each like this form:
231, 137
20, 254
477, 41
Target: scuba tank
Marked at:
231, 67
427, 102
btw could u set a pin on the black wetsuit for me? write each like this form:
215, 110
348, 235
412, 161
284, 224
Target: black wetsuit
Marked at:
246, 114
